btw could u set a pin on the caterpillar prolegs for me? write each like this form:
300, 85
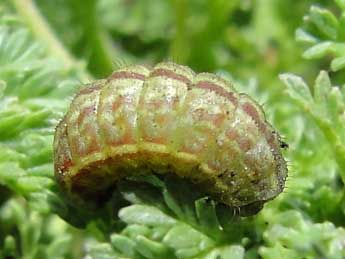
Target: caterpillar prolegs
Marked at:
169, 120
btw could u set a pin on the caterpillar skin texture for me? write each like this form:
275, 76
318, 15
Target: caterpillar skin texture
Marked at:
169, 120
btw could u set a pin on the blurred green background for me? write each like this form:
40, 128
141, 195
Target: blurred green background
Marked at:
48, 49
246, 38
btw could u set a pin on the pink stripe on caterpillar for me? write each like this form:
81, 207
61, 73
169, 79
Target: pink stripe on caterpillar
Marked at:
244, 143
127, 75
88, 90
253, 113
217, 89
170, 74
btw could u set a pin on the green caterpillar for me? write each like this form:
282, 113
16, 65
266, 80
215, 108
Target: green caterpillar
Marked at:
169, 120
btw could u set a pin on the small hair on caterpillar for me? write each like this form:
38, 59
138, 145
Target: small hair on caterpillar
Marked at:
169, 120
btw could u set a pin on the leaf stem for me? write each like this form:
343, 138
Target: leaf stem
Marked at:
41, 29
102, 50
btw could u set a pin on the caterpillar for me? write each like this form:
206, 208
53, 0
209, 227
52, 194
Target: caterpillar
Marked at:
169, 120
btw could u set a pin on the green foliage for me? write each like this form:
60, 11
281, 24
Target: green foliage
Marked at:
163, 223
48, 48
26, 234
326, 108
325, 32
31, 102
295, 237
